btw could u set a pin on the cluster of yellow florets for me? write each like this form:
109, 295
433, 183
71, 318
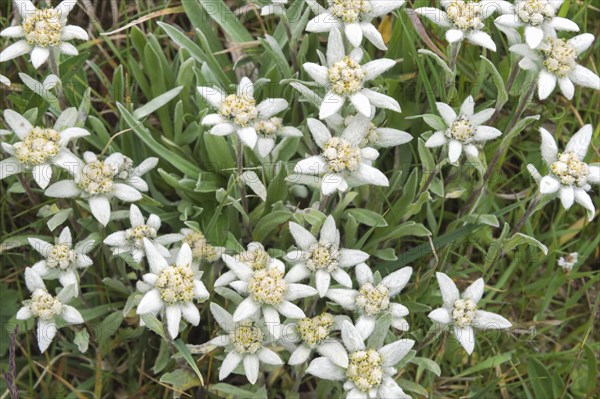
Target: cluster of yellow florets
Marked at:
239, 109
534, 12
96, 177
39, 146
365, 369
346, 76
371, 137
559, 56
247, 337
462, 130
257, 258
570, 170
315, 330
44, 305
372, 300
268, 286
43, 28
340, 155
465, 15
268, 127
137, 234
323, 256
463, 312
60, 256
201, 249
349, 10
176, 284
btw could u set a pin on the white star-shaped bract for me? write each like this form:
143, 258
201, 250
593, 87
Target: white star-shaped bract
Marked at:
39, 148
353, 17
322, 258
41, 31
344, 77
463, 130
554, 61
569, 177
98, 181
462, 313
47, 308
342, 163
237, 113
61, 260
171, 289
464, 20
370, 371
373, 299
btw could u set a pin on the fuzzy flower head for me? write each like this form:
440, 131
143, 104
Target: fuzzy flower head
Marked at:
464, 20
374, 136
567, 262
555, 61
369, 372
462, 131
537, 17
42, 30
353, 17
61, 260
569, 177
38, 147
47, 308
245, 343
171, 289
342, 163
98, 181
323, 258
255, 256
373, 298
345, 78
463, 313
268, 130
238, 113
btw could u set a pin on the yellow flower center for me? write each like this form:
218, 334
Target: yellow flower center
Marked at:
201, 249
247, 337
176, 284
316, 330
534, 12
365, 369
340, 155
268, 286
39, 146
371, 137
43, 28
465, 15
257, 258
463, 312
60, 256
137, 234
323, 256
559, 56
96, 178
349, 10
346, 76
241, 110
268, 128
570, 170
372, 300
44, 305
461, 130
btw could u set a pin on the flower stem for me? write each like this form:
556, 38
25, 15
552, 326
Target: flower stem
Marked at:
240, 169
454, 50
32, 196
53, 61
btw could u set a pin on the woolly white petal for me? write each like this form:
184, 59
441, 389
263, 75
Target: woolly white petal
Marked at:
335, 352
231, 361
533, 36
33, 281
322, 367
585, 200
448, 289
474, 291
243, 271
381, 100
245, 310
581, 42
271, 106
314, 165
151, 302
190, 312
71, 315
343, 297
351, 257
549, 185
365, 325
155, 260
397, 280
435, 140
466, 337
323, 279
567, 196
332, 103
300, 355
46, 330
549, 149
15, 50
267, 356
454, 150
490, 321
24, 313
297, 291
584, 77
394, 352
173, 314
481, 39
440, 315
351, 337
546, 84
484, 133
39, 55
580, 141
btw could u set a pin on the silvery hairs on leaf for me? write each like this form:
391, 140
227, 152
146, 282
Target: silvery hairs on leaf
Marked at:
41, 31
462, 312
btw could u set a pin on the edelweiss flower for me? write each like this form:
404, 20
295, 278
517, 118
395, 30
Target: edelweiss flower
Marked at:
568, 261
171, 289
538, 17
98, 181
277, 7
463, 129
202, 250
555, 60
131, 241
244, 343
324, 258
42, 31
462, 313
570, 178
46, 308
237, 113
268, 130
313, 334
255, 256
345, 77
62, 259
464, 20
376, 137
373, 299
370, 371
353, 17
39, 147
342, 164
268, 291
